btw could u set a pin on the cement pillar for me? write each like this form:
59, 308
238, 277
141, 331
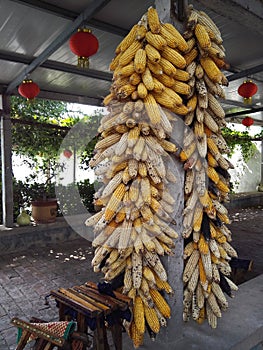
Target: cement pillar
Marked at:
6, 154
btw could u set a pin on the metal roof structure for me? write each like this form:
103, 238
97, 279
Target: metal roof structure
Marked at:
34, 38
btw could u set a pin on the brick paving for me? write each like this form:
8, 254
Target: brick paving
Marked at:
27, 277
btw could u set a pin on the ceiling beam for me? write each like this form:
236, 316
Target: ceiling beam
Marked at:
71, 15
94, 7
251, 111
246, 13
245, 73
58, 66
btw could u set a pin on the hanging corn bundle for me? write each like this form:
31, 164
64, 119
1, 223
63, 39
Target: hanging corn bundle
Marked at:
207, 251
132, 230
157, 71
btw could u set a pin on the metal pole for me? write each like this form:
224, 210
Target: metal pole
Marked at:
6, 153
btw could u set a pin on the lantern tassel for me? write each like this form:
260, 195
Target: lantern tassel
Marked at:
83, 62
247, 100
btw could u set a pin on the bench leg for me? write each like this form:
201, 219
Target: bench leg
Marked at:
116, 331
100, 335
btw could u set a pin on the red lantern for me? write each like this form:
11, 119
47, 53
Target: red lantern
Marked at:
248, 121
83, 44
247, 90
28, 89
67, 153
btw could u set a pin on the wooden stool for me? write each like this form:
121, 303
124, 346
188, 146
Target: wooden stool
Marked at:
87, 303
48, 339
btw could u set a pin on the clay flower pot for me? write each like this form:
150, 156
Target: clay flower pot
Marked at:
44, 211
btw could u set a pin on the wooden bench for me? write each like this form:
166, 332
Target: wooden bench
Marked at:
94, 311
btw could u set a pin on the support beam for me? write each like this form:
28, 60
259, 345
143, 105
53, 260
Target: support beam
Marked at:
94, 7
245, 73
6, 154
252, 111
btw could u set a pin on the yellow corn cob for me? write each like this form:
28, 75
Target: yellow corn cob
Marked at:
142, 90
163, 285
170, 39
181, 88
108, 99
115, 62
152, 53
192, 102
156, 41
191, 42
146, 190
135, 78
191, 56
125, 71
128, 40
155, 68
111, 274
125, 91
166, 80
212, 174
153, 20
206, 21
213, 148
167, 67
136, 337
152, 109
138, 315
142, 170
188, 249
203, 245
129, 53
181, 110
134, 95
133, 136
114, 202
198, 217
160, 303
139, 106
171, 95
181, 44
202, 36
130, 123
121, 215
137, 266
148, 274
140, 32
140, 61
158, 86
181, 75
152, 318
211, 69
202, 273
108, 141
148, 79
222, 186
174, 57
190, 265
168, 146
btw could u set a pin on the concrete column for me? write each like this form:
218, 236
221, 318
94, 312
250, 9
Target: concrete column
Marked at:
6, 154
